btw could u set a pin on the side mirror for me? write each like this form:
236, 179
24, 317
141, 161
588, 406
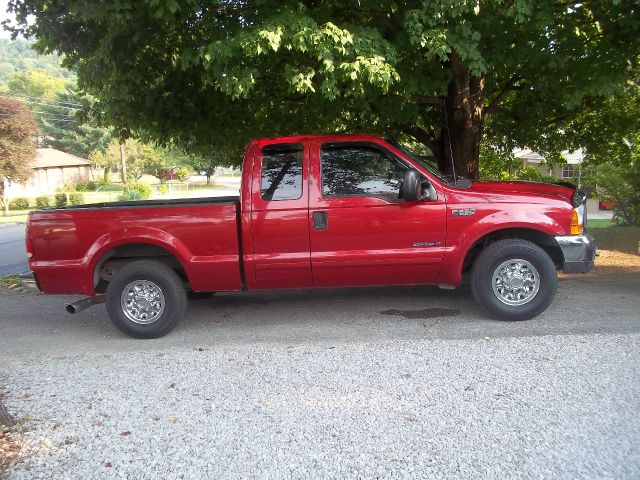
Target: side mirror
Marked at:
411, 186
415, 188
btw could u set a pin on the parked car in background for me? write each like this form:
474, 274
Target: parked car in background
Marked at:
604, 205
169, 174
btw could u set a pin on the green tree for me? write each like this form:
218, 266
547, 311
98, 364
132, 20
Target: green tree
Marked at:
68, 124
441, 72
36, 85
141, 158
17, 145
206, 163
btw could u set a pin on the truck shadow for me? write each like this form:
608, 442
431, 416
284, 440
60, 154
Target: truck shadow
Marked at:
582, 306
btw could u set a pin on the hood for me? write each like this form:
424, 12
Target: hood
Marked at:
527, 188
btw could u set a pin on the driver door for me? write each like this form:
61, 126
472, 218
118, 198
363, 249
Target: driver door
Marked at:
361, 231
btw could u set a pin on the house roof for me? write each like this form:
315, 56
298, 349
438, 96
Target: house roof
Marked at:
52, 158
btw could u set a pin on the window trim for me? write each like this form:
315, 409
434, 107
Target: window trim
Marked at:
282, 147
388, 154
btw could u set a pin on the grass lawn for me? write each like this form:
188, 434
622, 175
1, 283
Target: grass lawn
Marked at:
617, 238
599, 223
112, 194
15, 216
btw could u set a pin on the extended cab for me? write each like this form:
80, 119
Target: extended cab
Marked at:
315, 211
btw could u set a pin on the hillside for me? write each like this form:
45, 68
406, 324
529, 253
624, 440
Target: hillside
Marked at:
17, 56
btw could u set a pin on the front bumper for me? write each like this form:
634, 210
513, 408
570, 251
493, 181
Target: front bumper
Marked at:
579, 253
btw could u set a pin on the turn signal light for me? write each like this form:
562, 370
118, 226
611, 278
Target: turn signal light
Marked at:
576, 226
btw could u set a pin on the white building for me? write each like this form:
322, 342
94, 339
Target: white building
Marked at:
571, 171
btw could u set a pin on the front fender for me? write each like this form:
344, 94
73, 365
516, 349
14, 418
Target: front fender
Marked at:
463, 233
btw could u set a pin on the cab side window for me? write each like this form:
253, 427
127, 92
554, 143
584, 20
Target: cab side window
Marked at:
281, 177
360, 170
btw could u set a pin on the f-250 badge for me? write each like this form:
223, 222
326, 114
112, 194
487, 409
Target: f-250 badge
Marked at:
463, 212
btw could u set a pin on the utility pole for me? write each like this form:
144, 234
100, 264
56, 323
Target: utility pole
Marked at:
123, 164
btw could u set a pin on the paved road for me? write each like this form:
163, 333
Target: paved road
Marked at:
409, 382
13, 256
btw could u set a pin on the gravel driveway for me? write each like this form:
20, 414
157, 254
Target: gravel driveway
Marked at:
390, 382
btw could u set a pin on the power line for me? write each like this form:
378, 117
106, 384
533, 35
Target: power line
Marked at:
40, 98
44, 104
42, 114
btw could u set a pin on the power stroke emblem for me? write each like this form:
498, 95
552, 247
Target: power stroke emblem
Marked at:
463, 212
426, 244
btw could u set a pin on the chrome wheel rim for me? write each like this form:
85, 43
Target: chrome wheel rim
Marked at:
515, 282
142, 302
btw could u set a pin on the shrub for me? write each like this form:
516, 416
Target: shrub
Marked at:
136, 191
182, 174
76, 198
42, 202
88, 186
19, 204
61, 200
163, 189
620, 186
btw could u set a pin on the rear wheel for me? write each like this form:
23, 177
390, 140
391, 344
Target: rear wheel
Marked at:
146, 299
513, 280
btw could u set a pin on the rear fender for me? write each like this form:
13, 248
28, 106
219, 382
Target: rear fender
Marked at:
146, 235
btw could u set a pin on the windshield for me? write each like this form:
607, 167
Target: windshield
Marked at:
422, 161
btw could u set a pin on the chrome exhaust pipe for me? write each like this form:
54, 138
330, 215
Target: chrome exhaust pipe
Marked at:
84, 303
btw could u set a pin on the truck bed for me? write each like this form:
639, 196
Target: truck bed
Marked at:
69, 244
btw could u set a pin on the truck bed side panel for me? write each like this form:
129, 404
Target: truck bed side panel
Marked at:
68, 244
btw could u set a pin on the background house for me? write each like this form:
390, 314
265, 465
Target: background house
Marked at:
52, 170
572, 171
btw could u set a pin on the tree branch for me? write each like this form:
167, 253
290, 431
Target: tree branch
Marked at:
423, 137
506, 89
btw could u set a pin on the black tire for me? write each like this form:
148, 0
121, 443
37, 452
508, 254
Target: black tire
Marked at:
199, 295
162, 277
482, 277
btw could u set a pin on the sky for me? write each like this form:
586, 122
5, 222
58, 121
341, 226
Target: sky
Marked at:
4, 16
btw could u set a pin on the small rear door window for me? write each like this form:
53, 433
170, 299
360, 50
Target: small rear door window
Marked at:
281, 177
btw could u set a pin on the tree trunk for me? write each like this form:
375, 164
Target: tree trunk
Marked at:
123, 164
4, 201
459, 142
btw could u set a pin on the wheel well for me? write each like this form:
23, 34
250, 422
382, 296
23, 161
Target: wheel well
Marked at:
543, 240
116, 258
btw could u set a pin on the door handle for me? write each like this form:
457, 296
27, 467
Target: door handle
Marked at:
320, 220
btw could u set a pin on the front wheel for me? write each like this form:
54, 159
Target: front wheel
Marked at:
513, 279
146, 299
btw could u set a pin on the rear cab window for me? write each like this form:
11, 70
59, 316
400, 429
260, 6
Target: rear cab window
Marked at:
281, 172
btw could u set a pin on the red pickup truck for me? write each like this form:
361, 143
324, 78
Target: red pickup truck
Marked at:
315, 211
